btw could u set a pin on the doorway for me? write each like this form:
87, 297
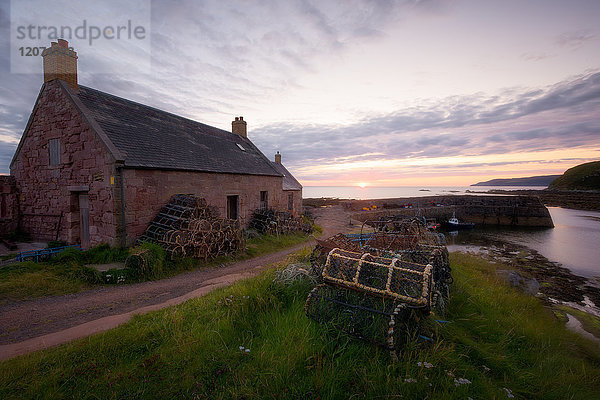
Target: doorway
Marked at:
232, 207
79, 219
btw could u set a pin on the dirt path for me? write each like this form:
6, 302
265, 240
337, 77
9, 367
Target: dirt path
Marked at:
50, 321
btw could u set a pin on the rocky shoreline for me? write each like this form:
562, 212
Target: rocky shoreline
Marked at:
556, 283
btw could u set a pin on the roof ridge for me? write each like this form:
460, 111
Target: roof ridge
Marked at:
159, 110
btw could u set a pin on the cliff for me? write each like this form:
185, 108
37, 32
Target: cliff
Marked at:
582, 177
542, 180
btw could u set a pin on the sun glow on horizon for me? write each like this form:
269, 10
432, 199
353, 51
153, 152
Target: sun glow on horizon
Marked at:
362, 185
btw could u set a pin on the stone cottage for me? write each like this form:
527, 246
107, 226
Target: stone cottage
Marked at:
94, 168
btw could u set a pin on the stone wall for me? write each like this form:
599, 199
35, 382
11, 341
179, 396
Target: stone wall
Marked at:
9, 205
48, 208
147, 191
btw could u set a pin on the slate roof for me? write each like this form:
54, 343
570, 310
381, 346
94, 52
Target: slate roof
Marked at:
289, 182
150, 138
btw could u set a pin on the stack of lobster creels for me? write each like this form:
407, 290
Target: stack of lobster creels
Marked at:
379, 286
272, 222
187, 226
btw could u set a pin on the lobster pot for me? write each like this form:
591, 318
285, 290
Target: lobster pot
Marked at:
396, 241
383, 277
423, 254
393, 241
375, 319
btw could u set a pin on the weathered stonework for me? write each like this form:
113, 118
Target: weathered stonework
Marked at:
49, 209
9, 205
147, 191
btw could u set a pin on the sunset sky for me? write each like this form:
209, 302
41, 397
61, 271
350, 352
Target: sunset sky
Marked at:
388, 93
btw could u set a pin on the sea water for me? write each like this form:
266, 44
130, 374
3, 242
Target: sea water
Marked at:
382, 192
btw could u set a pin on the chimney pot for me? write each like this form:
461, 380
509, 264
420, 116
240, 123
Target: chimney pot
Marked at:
278, 158
238, 126
60, 63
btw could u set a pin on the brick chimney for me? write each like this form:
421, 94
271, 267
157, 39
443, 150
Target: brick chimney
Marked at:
239, 127
60, 63
278, 158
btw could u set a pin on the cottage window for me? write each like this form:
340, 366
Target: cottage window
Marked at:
54, 149
290, 201
264, 200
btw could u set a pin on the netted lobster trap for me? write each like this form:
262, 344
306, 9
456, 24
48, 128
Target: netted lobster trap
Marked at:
378, 286
377, 299
379, 276
379, 320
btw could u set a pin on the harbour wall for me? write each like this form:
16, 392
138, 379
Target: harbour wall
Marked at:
526, 211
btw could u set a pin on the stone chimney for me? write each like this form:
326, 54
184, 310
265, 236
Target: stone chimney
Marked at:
60, 63
239, 127
278, 158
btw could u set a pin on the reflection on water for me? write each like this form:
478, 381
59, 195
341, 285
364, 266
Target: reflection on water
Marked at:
574, 241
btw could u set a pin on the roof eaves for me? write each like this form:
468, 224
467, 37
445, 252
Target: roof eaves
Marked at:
159, 167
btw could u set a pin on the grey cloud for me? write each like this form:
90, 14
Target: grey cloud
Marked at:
532, 56
574, 39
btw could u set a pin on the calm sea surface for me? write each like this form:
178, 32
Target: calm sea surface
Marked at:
355, 192
574, 241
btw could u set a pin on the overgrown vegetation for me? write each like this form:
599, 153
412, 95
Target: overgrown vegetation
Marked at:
581, 177
145, 261
66, 272
252, 340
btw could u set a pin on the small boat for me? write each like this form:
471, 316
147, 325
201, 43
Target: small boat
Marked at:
454, 223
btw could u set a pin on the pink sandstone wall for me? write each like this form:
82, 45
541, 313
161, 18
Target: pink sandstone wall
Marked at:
9, 205
147, 191
84, 161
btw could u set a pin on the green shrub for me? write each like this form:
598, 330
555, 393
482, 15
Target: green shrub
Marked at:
145, 261
104, 254
70, 256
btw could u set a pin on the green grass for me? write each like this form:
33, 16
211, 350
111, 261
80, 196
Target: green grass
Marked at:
28, 279
268, 244
496, 338
66, 272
